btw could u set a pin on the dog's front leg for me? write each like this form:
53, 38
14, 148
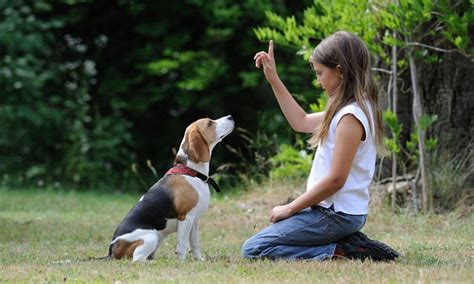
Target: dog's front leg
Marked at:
194, 241
184, 230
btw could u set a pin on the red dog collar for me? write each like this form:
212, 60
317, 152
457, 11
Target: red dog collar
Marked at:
180, 169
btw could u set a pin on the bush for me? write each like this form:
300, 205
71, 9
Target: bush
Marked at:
290, 163
451, 177
254, 159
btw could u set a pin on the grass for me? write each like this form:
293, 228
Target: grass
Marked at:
45, 235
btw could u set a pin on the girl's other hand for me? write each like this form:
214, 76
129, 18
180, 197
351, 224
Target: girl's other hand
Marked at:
267, 59
280, 212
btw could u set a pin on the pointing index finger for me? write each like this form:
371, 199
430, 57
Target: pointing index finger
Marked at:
270, 48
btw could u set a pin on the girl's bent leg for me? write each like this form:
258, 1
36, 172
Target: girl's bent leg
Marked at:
321, 252
309, 234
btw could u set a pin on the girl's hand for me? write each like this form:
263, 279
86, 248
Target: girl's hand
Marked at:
267, 59
280, 212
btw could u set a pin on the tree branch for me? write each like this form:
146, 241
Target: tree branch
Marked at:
381, 70
431, 47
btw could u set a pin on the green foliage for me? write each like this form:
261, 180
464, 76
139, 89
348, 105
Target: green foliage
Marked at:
393, 143
373, 22
254, 159
457, 23
29, 103
90, 87
426, 123
198, 69
411, 145
410, 18
323, 18
320, 103
290, 163
392, 122
66, 136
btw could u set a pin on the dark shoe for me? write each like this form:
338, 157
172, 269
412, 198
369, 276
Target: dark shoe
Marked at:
359, 246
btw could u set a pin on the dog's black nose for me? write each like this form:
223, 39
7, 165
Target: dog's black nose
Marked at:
229, 117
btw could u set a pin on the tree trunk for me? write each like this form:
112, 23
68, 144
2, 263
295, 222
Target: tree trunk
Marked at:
394, 109
417, 115
413, 191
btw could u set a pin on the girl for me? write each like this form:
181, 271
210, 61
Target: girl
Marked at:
321, 223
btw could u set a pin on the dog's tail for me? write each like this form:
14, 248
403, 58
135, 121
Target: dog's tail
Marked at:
90, 258
107, 257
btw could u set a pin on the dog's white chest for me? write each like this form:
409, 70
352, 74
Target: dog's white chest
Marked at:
204, 194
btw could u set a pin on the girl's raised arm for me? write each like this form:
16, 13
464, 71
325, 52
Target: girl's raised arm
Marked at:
298, 119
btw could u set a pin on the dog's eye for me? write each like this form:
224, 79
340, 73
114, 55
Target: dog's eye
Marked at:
210, 123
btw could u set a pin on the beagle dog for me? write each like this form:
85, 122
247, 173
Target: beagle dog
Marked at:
177, 201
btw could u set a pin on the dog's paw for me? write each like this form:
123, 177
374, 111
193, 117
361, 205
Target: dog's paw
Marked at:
199, 258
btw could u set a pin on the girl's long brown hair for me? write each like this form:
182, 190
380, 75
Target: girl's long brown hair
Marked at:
351, 54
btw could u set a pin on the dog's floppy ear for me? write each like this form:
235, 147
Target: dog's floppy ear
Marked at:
196, 146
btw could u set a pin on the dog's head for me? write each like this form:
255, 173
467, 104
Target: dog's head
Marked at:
201, 137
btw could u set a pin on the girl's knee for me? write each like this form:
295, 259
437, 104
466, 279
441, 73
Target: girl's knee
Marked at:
253, 247
249, 249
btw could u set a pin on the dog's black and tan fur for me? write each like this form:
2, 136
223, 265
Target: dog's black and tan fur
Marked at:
176, 202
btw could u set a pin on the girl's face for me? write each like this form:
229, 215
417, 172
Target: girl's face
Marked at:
328, 78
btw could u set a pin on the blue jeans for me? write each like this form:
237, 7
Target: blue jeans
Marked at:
309, 234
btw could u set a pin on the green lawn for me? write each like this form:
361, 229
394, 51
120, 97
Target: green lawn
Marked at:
44, 235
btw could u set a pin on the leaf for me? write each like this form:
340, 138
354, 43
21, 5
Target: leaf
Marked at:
392, 145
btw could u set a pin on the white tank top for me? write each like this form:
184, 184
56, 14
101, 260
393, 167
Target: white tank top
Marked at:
353, 197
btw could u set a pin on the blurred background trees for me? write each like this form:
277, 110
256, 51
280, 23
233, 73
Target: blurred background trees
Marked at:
91, 87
